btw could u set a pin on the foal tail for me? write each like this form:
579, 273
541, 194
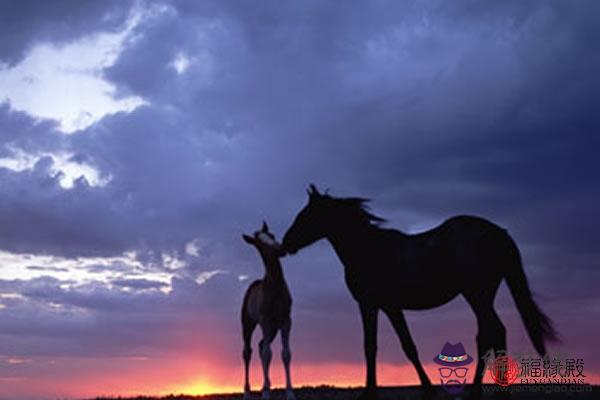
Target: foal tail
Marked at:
539, 326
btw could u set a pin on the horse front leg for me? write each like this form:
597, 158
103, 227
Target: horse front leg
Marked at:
408, 345
369, 315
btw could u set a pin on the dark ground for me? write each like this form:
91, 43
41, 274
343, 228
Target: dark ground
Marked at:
405, 393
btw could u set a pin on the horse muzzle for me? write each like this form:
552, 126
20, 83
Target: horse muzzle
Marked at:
287, 249
291, 251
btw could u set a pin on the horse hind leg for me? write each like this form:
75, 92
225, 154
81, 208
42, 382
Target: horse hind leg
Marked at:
499, 344
491, 334
248, 327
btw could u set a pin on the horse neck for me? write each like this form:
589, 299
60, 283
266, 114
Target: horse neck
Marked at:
346, 234
343, 229
350, 239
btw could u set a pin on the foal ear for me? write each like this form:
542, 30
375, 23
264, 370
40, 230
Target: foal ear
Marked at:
265, 227
248, 239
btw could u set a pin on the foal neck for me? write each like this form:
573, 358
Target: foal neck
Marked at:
273, 270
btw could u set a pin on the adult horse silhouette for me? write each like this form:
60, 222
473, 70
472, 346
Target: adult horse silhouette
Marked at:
388, 270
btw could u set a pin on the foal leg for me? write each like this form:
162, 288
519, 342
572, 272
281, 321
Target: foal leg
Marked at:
248, 327
369, 321
286, 357
408, 345
265, 357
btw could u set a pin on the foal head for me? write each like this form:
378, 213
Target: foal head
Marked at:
265, 243
323, 216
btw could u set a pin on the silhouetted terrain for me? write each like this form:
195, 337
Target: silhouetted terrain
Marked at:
387, 393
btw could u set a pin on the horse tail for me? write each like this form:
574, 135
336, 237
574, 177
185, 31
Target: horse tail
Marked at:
539, 326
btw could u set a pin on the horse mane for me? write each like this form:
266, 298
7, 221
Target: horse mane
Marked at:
358, 208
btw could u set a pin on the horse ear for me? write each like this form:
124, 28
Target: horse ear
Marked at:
265, 227
248, 239
313, 191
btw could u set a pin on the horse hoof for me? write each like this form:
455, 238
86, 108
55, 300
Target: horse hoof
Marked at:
369, 394
428, 392
289, 395
501, 396
266, 395
246, 395
474, 394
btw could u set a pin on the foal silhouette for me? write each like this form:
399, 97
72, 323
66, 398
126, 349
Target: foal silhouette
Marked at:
267, 303
388, 270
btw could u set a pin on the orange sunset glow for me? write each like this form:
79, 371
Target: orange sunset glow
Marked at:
132, 377
115, 377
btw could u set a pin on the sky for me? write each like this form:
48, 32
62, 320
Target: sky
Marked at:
140, 139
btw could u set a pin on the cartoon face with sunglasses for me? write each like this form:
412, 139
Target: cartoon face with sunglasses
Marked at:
453, 372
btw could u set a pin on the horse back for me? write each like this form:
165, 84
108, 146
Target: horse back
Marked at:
429, 268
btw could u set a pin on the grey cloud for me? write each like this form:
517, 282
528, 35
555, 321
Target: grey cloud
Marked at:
46, 268
95, 321
138, 283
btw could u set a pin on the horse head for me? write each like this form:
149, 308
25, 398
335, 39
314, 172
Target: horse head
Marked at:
310, 223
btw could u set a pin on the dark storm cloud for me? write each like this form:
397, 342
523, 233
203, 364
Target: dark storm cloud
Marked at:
429, 108
39, 216
25, 23
19, 130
